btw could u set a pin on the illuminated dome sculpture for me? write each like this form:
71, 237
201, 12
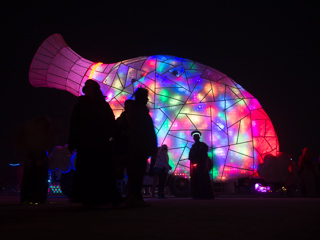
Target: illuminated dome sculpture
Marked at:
184, 96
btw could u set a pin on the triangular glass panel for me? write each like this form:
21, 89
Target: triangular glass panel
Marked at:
162, 133
117, 83
162, 58
197, 109
162, 101
109, 67
262, 145
172, 112
257, 158
211, 74
230, 103
111, 93
109, 79
230, 173
133, 60
151, 75
136, 65
182, 123
229, 95
245, 132
219, 136
243, 148
245, 93
149, 83
122, 73
258, 128
158, 117
133, 74
174, 156
122, 97
209, 97
163, 67
257, 114
192, 82
180, 94
201, 122
150, 64
104, 88
227, 81
218, 91
200, 91
236, 112
269, 129
187, 64
114, 104
173, 142
198, 66
179, 81
164, 82
193, 73
252, 103
238, 160
233, 133
273, 142
185, 135
175, 61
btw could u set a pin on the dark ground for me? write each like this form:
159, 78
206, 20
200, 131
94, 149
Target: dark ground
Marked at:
225, 217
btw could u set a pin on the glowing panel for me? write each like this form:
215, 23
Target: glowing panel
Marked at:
184, 95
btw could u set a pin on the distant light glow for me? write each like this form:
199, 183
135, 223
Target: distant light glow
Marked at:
260, 188
14, 164
184, 96
54, 189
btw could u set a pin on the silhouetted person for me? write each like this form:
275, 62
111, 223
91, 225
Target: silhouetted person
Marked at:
92, 126
142, 143
121, 141
291, 184
309, 171
201, 187
34, 140
161, 169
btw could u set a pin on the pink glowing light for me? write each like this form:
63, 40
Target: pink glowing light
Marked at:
260, 188
184, 95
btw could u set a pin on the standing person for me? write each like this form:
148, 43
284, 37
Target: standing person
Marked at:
92, 126
142, 143
161, 169
34, 140
200, 181
309, 171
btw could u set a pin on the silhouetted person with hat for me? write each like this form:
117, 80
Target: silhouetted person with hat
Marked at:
201, 187
142, 143
92, 126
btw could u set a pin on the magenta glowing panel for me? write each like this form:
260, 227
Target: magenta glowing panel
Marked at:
184, 95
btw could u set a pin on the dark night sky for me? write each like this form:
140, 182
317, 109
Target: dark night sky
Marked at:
268, 47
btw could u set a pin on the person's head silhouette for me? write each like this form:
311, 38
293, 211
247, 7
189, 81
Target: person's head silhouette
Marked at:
92, 89
196, 135
141, 96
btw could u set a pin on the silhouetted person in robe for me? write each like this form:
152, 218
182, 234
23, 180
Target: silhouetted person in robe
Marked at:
92, 126
308, 170
142, 143
33, 141
200, 183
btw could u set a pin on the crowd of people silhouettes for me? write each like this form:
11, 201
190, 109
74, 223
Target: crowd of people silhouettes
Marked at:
107, 147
